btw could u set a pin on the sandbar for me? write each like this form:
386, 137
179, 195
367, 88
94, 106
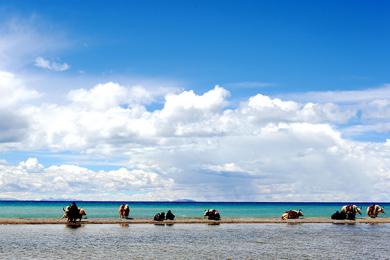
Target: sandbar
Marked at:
313, 220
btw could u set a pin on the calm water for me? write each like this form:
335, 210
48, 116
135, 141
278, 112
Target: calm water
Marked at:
34, 209
265, 241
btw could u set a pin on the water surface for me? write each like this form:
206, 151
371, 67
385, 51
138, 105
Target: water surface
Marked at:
196, 241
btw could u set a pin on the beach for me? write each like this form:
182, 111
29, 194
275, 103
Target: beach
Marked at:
314, 220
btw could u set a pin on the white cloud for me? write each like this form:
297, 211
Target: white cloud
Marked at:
50, 65
31, 180
226, 167
109, 95
23, 39
31, 165
14, 123
13, 91
186, 103
368, 109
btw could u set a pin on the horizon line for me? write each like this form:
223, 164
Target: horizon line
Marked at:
191, 201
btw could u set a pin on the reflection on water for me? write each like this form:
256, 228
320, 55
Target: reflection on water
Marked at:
183, 241
73, 225
162, 224
159, 224
294, 223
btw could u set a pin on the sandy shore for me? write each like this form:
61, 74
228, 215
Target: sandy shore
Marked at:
192, 221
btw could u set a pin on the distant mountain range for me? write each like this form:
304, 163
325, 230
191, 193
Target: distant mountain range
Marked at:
184, 200
62, 199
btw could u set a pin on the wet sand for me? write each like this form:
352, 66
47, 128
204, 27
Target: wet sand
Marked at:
193, 221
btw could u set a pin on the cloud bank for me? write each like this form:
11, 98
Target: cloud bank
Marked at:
194, 145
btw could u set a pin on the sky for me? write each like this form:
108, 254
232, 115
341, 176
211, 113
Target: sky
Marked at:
202, 100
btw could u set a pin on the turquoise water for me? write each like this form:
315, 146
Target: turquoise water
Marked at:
53, 209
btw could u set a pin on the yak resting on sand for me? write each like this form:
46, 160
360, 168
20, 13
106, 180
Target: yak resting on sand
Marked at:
347, 212
212, 214
162, 216
374, 210
170, 215
73, 213
351, 209
124, 211
159, 216
292, 214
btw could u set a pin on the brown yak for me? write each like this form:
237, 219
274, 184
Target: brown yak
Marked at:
74, 215
374, 210
351, 209
124, 211
292, 214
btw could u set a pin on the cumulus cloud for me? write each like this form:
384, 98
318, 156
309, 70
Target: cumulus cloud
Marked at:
368, 109
50, 65
188, 103
31, 165
109, 95
196, 145
14, 123
13, 91
290, 161
286, 162
32, 180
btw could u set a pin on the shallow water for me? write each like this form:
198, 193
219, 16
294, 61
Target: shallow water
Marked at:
196, 241
53, 209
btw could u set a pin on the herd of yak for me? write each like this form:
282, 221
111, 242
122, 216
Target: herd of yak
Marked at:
348, 212
73, 213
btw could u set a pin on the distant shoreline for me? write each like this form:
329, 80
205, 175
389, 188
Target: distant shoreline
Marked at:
15, 221
196, 202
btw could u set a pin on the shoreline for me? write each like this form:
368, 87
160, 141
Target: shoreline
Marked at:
313, 220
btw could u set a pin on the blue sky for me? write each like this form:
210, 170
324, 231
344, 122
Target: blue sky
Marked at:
291, 45
157, 100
